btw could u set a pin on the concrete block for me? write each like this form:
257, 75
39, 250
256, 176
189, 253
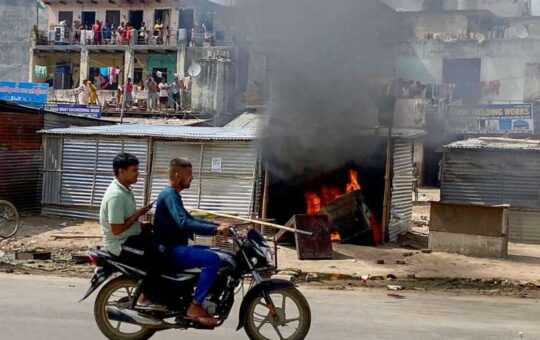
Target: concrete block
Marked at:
473, 245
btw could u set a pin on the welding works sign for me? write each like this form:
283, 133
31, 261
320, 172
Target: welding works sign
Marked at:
491, 119
28, 94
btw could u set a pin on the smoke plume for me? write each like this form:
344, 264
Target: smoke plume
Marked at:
322, 58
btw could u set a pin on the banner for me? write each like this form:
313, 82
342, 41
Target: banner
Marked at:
491, 119
93, 111
28, 94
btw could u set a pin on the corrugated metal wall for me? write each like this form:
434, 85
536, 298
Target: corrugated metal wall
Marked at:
20, 159
523, 225
401, 206
227, 190
85, 173
494, 178
497, 177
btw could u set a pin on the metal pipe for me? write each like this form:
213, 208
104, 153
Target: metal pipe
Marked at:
244, 219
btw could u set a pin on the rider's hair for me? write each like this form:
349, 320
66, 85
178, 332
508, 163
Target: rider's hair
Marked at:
122, 161
176, 164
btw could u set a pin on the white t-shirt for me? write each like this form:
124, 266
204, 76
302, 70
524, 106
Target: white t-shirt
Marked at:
163, 90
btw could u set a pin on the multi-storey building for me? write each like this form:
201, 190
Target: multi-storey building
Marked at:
108, 41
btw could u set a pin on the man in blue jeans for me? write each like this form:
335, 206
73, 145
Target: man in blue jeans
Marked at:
174, 226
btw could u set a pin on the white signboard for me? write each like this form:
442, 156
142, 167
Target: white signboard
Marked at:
216, 164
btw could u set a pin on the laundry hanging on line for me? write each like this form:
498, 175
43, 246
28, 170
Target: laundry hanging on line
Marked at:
40, 71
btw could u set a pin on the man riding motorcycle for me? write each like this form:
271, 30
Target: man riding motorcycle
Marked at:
174, 226
119, 219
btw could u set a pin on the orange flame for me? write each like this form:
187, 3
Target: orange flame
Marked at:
313, 202
353, 181
335, 237
316, 202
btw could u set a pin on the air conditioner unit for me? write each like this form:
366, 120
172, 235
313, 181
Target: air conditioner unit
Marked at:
61, 35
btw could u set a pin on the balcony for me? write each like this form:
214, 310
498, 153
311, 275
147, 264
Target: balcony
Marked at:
65, 37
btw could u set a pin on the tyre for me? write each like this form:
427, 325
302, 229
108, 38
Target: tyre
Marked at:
9, 219
293, 318
118, 292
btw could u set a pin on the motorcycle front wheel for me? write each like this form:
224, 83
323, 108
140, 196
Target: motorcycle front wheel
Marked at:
292, 320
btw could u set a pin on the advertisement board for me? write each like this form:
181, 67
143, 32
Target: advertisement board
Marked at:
93, 111
28, 94
491, 119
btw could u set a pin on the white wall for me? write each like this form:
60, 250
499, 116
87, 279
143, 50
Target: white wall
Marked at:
510, 72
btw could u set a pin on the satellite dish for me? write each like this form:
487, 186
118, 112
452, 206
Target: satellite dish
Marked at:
520, 31
480, 37
194, 69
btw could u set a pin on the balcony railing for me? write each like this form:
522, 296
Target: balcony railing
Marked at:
65, 36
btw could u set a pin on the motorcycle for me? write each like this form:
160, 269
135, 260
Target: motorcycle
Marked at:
270, 308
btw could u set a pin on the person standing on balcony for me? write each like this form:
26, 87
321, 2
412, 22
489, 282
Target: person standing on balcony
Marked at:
158, 32
84, 91
129, 33
167, 35
176, 88
163, 94
143, 34
96, 28
120, 34
93, 98
152, 88
128, 92
106, 33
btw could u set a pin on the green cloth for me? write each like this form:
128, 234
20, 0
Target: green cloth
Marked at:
117, 206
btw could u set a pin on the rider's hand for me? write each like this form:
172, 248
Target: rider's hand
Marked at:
145, 209
223, 229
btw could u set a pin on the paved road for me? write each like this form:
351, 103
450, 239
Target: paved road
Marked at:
33, 307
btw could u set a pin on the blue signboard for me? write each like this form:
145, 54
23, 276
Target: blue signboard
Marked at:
28, 94
93, 111
491, 119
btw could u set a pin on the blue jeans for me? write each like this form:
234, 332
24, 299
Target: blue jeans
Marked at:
185, 257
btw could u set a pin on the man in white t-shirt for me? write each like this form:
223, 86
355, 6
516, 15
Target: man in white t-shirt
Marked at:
163, 94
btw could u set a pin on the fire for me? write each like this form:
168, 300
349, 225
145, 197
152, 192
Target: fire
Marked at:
353, 181
335, 237
313, 202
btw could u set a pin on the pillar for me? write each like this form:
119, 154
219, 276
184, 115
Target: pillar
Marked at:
129, 66
181, 59
31, 66
84, 69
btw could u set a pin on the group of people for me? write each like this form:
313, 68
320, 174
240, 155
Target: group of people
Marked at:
124, 33
159, 93
87, 93
164, 244
407, 89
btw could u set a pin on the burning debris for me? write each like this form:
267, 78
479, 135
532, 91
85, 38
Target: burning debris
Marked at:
348, 213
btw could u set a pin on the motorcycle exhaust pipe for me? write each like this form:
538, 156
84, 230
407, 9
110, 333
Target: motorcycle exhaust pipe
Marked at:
130, 316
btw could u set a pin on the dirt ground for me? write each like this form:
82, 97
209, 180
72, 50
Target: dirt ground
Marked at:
519, 274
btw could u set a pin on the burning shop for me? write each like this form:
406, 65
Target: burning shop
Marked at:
354, 194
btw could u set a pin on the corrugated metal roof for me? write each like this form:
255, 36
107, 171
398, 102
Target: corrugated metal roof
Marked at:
249, 121
158, 131
494, 143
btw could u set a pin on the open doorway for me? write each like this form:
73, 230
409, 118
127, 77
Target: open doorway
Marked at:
88, 18
112, 17
163, 15
136, 19
465, 74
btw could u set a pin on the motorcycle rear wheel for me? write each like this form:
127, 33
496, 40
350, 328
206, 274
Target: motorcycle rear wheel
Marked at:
110, 328
292, 310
